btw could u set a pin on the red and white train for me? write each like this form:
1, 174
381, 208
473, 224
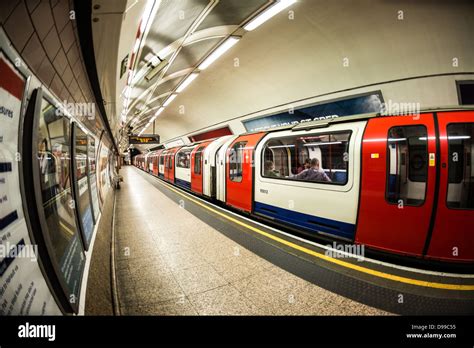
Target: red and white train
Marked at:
398, 184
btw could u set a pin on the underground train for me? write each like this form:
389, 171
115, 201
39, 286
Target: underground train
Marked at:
402, 185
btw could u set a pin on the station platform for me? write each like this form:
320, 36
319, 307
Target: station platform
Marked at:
176, 254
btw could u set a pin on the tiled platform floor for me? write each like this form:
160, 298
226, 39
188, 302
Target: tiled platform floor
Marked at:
168, 262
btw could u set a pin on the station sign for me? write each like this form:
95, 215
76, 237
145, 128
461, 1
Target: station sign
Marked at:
144, 139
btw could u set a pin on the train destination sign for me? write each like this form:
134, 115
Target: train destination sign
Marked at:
144, 139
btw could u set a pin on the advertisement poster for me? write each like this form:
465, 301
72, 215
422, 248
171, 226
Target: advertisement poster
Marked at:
349, 106
23, 290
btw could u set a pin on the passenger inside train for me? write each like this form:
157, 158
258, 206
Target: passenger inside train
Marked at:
270, 170
304, 166
314, 173
331, 149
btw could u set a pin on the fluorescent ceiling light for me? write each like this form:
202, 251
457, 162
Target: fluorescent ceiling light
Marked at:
186, 82
169, 100
267, 14
458, 137
160, 110
324, 143
231, 41
280, 146
137, 45
146, 15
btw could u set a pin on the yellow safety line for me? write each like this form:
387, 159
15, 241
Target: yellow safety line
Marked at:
71, 232
328, 258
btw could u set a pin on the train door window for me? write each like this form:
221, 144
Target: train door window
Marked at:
83, 199
322, 158
184, 158
198, 160
92, 175
407, 163
162, 159
460, 169
236, 160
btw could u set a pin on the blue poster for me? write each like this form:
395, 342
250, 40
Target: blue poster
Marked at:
351, 106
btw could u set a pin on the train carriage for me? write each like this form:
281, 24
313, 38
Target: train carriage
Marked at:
398, 184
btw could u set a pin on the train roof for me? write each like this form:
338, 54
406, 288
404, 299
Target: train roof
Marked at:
353, 118
330, 121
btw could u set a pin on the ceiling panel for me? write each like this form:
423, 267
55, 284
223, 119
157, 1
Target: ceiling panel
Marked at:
231, 12
172, 21
166, 86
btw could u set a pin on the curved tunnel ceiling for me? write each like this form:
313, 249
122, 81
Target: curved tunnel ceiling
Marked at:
184, 33
289, 58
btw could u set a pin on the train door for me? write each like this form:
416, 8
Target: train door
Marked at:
220, 169
154, 160
161, 164
166, 157
209, 166
171, 164
239, 171
453, 234
197, 171
398, 183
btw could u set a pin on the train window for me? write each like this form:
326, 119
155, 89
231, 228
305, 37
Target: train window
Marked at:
198, 160
236, 158
92, 174
183, 158
460, 169
83, 198
54, 160
407, 163
162, 159
321, 158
